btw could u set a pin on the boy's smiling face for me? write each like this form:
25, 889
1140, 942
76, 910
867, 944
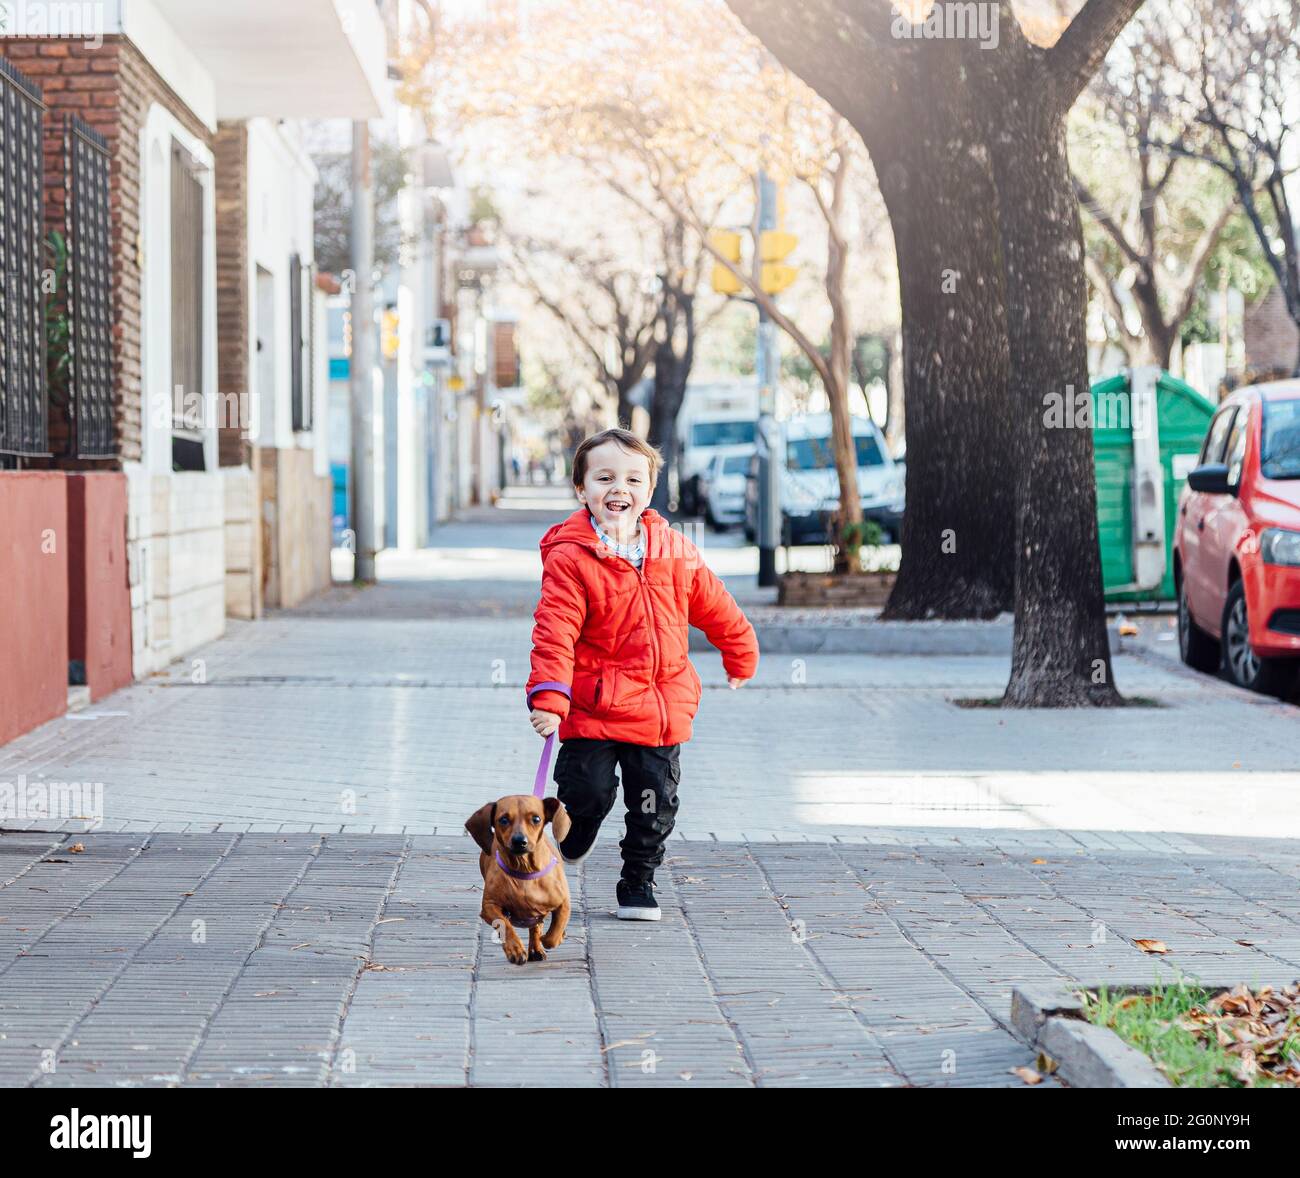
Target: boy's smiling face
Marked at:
616, 487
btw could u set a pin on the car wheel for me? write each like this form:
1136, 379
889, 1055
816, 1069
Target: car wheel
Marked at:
1196, 648
1245, 668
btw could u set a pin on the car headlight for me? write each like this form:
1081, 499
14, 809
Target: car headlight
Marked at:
1279, 546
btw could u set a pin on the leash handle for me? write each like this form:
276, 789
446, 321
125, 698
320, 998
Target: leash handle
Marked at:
544, 765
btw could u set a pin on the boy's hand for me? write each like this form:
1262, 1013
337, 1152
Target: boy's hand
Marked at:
733, 682
544, 723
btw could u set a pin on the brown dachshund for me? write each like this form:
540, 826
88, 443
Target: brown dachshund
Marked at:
523, 878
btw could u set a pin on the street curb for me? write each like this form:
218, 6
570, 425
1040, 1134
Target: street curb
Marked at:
904, 638
1050, 1019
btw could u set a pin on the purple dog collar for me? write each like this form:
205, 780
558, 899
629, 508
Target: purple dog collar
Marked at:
513, 874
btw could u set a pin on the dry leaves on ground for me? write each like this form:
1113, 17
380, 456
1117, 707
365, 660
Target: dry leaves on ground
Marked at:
1261, 1029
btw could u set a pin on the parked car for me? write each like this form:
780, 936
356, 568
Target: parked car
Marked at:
713, 416
1237, 547
722, 487
810, 488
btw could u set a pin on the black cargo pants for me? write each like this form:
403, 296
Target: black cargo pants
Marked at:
584, 775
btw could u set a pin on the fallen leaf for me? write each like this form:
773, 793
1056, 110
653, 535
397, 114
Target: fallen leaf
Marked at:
640, 1042
1028, 1075
1038, 860
76, 848
1149, 946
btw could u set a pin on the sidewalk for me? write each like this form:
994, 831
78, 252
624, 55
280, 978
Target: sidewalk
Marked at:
281, 891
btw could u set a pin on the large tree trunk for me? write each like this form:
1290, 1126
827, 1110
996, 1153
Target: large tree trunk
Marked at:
916, 117
674, 355
958, 560
1061, 654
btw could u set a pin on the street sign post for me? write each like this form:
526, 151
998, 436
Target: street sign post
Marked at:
767, 363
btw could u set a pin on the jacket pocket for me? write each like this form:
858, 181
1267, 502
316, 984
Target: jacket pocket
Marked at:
594, 691
697, 688
606, 691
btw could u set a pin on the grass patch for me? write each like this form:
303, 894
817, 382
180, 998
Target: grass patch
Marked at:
1203, 1038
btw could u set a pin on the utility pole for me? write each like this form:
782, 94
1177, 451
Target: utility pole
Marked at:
363, 357
768, 445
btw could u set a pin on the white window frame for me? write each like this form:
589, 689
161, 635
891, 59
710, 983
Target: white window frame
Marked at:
160, 129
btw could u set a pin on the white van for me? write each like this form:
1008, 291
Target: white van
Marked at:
713, 417
810, 489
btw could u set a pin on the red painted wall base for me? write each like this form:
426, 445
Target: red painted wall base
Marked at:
99, 595
34, 593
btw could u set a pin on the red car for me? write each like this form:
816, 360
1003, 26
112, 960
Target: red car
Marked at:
1237, 544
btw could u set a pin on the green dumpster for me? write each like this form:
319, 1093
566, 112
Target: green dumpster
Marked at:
1147, 432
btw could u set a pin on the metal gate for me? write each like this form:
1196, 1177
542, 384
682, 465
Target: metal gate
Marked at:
89, 291
23, 401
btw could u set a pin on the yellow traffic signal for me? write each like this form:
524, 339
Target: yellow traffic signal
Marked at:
773, 246
727, 244
388, 334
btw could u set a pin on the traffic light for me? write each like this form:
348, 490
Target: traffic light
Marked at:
773, 246
388, 334
727, 244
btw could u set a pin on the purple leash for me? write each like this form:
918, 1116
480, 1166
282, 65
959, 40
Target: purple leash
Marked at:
539, 790
544, 765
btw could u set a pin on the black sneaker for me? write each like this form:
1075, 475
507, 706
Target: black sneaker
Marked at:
636, 901
581, 838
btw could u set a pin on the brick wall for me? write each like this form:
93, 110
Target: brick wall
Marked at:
1272, 340
231, 150
111, 88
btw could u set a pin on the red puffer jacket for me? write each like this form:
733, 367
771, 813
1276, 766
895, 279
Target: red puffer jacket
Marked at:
618, 635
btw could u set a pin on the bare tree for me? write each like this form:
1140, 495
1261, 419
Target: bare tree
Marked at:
1239, 72
1158, 231
610, 310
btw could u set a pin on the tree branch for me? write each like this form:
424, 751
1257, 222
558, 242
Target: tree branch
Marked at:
1080, 50
1185, 295
1104, 219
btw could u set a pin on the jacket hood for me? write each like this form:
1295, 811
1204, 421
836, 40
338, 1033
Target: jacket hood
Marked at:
577, 530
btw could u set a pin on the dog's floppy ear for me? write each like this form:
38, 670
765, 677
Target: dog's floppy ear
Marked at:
558, 817
479, 825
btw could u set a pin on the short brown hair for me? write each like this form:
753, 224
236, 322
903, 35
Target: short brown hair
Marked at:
627, 440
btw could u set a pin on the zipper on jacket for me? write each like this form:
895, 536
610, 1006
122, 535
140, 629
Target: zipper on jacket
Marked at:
654, 649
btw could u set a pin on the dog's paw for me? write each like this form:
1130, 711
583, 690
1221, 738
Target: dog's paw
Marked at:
536, 955
516, 954
552, 944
